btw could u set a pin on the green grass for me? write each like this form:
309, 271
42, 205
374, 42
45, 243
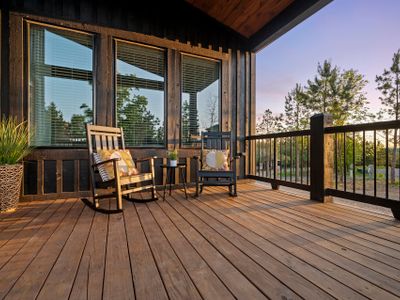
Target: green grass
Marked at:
14, 141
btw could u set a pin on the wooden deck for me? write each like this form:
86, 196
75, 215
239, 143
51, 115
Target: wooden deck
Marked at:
262, 244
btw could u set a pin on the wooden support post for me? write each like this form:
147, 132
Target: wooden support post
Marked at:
396, 212
321, 158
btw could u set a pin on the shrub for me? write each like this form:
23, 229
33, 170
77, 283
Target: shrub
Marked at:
14, 141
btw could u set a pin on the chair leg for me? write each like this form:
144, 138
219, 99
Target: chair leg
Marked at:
153, 192
119, 201
96, 203
197, 187
153, 189
233, 190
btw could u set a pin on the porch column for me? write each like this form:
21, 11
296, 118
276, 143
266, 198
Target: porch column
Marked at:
321, 158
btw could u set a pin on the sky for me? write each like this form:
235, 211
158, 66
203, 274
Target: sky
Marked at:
352, 34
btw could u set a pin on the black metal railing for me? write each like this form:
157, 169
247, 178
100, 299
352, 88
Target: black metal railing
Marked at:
282, 158
366, 162
357, 162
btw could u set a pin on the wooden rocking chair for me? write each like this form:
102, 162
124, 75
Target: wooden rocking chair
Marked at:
110, 138
217, 141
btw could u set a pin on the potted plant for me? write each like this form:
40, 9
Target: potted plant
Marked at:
173, 157
14, 146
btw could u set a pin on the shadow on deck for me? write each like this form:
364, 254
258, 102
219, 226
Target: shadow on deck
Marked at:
262, 244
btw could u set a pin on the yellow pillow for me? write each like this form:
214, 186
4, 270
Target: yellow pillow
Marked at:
126, 165
215, 160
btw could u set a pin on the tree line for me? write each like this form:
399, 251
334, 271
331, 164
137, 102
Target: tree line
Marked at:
337, 92
341, 94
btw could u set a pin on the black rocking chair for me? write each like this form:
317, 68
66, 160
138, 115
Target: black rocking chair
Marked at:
217, 141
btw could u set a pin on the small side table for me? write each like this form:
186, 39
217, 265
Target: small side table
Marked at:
170, 175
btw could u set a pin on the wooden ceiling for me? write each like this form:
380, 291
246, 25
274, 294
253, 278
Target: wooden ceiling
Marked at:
246, 17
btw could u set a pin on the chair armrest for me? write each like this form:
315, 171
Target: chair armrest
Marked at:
145, 159
106, 161
198, 158
238, 155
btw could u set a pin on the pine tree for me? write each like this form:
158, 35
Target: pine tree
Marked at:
296, 113
339, 93
389, 85
270, 123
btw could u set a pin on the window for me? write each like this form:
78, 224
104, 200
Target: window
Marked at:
140, 94
60, 85
200, 109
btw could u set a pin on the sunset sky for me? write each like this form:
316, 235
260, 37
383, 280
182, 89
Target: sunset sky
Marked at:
357, 34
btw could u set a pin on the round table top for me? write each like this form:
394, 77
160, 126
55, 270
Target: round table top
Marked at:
180, 165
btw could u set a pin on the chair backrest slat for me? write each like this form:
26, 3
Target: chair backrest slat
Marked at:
103, 142
106, 138
217, 141
116, 146
110, 142
97, 142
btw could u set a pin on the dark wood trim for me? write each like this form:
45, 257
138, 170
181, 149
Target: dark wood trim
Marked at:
173, 99
127, 35
103, 78
225, 99
55, 196
16, 68
4, 54
294, 14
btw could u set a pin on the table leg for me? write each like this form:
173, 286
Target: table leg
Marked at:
183, 178
170, 180
165, 180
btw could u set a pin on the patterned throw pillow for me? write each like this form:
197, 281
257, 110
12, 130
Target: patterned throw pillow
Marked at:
215, 160
126, 164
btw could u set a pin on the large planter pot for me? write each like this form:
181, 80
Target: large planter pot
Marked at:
10, 186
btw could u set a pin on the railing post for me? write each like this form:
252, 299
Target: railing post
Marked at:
274, 185
321, 155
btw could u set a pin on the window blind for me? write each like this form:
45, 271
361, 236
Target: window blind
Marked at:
60, 86
200, 98
140, 94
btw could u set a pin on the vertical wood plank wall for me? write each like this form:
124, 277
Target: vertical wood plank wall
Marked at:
60, 173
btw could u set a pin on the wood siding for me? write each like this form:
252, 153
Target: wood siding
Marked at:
54, 173
175, 20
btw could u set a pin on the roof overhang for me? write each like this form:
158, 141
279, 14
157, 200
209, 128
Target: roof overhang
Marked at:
260, 22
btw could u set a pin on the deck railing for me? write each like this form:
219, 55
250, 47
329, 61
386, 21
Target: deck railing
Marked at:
357, 162
282, 158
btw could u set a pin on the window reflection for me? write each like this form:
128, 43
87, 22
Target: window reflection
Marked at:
140, 94
60, 86
200, 98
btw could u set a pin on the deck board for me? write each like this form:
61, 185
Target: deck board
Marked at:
303, 244
262, 244
31, 281
208, 284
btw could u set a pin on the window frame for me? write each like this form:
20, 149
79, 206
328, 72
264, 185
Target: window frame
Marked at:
182, 54
166, 79
27, 71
